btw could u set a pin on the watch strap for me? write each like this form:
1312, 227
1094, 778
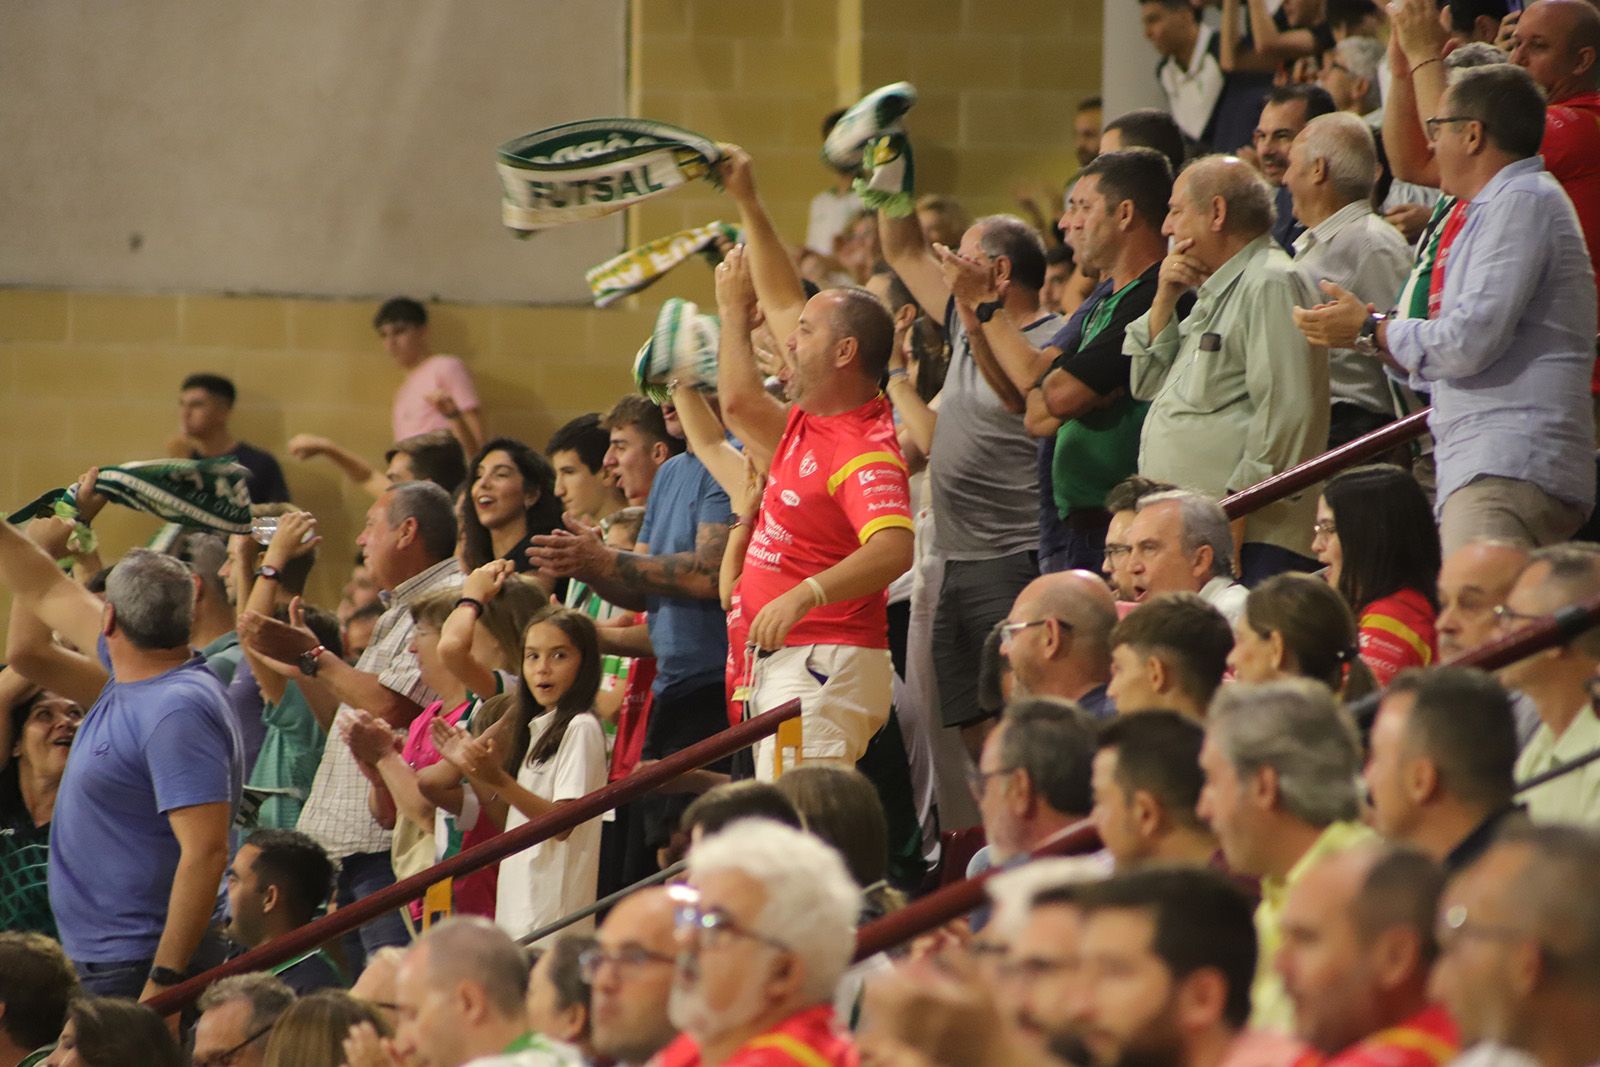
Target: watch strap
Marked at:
310, 661
166, 976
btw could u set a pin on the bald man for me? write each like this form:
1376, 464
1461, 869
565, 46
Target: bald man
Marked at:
1058, 640
630, 979
1237, 393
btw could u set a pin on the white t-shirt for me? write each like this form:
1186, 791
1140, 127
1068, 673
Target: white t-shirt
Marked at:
541, 884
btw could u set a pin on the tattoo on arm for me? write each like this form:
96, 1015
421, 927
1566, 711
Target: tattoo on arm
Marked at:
692, 575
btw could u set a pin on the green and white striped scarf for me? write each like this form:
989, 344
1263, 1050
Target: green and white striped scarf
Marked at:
684, 341
869, 136
639, 268
585, 170
212, 493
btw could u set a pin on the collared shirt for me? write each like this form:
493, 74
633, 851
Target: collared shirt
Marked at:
1227, 596
1427, 1039
1271, 1008
1359, 251
1193, 91
1575, 796
1509, 356
1224, 420
336, 812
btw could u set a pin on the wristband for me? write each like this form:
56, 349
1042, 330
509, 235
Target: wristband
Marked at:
166, 977
897, 372
1425, 62
816, 591
475, 605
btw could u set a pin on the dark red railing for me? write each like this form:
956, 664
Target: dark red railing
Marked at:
567, 816
1321, 468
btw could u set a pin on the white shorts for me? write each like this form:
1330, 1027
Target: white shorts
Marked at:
844, 693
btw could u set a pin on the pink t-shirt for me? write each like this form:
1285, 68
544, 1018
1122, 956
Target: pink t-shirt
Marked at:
414, 413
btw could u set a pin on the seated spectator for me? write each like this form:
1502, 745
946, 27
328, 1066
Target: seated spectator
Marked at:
1558, 680
316, 1030
943, 218
437, 393
833, 208
1440, 765
1147, 127
577, 451
1297, 626
1147, 782
1181, 543
1041, 976
113, 1032
558, 994
629, 972
1358, 944
1377, 538
1123, 503
1057, 640
236, 1014
729, 802
205, 402
1260, 404
512, 498
1519, 945
1168, 955
1280, 762
375, 986
1169, 653
356, 633
766, 927
435, 457
36, 985
840, 805
37, 737
279, 881
1473, 582
1059, 268
1032, 779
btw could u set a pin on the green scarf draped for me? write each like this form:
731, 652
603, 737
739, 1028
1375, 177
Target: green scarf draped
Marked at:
641, 267
869, 136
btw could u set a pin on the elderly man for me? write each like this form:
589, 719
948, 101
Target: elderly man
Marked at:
1511, 344
1358, 943
1180, 542
1169, 653
1033, 777
1287, 111
766, 927
630, 978
235, 1017
1281, 761
1123, 503
1473, 582
1058, 640
1332, 166
1440, 763
1237, 395
1147, 782
1519, 940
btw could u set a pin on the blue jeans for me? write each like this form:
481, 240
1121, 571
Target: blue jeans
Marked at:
361, 875
126, 978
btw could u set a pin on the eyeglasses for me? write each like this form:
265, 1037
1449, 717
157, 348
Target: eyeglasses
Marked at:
1009, 630
1507, 617
1433, 125
978, 781
1324, 528
1115, 551
626, 958
1035, 968
1454, 925
226, 1057
709, 925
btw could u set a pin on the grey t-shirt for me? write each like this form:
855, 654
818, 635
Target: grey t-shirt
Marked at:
983, 470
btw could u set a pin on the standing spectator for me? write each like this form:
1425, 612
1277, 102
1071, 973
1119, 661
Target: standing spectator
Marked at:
434, 456
1382, 552
236, 1015
1169, 653
36, 984
1511, 344
1238, 395
1180, 542
512, 499
630, 974
409, 539
213, 629
437, 393
1211, 107
1281, 762
279, 881
1275, 40
1149, 127
1057, 639
1289, 108
33, 758
1086, 122
1332, 165
1147, 782
205, 402
834, 208
577, 451
139, 836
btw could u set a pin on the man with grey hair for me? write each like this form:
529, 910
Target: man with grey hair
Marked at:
983, 467
1237, 395
235, 1016
1281, 763
461, 996
139, 838
1332, 166
409, 541
1350, 75
766, 927
1181, 542
1058, 640
212, 631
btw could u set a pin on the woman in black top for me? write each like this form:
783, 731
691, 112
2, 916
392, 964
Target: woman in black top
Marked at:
510, 498
41, 728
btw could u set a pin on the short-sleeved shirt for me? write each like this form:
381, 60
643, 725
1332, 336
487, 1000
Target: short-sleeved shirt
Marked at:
290, 753
414, 413
144, 750
690, 636
836, 480
1397, 632
223, 657
24, 863
266, 481
981, 467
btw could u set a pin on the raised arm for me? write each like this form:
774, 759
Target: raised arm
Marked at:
39, 586
1271, 47
777, 281
905, 248
305, 446
707, 439
754, 416
1416, 88
455, 637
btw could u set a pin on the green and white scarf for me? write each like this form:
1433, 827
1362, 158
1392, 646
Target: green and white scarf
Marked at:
585, 170
869, 136
684, 342
641, 267
212, 493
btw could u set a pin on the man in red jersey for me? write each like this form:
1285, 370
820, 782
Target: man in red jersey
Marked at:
834, 527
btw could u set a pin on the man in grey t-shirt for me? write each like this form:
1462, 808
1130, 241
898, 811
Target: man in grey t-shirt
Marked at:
983, 470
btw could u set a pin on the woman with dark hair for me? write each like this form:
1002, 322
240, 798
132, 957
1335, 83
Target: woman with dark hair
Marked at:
112, 1032
1298, 626
511, 498
1375, 532
39, 728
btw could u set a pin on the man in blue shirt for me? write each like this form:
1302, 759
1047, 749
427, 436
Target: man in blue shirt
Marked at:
1509, 342
140, 835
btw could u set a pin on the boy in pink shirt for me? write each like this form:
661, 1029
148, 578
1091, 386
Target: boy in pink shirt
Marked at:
438, 393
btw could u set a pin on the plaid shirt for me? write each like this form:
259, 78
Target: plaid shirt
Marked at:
336, 812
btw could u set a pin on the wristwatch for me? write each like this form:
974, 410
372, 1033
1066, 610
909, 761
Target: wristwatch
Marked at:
987, 310
268, 572
166, 976
310, 661
1367, 340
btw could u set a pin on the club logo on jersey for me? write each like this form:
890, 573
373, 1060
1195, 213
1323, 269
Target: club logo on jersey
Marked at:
791, 498
808, 465
867, 476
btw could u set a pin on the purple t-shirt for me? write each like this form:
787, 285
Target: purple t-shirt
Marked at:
144, 749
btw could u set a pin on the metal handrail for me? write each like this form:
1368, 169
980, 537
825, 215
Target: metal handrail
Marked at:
1320, 468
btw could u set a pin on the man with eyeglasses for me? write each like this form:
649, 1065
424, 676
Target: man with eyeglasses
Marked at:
1038, 980
1057, 639
1285, 114
235, 1016
629, 973
766, 928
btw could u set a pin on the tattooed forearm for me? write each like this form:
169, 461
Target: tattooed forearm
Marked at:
692, 575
